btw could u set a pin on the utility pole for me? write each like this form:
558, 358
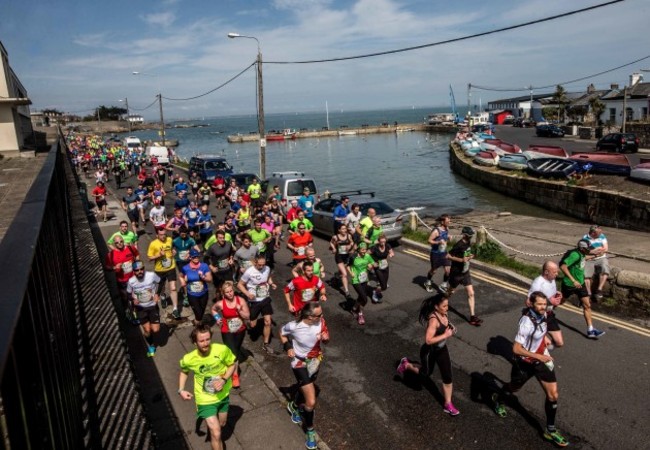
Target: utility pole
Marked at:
469, 99
624, 108
162, 120
128, 119
99, 123
260, 114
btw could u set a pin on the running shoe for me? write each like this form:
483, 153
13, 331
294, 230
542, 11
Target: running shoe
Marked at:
474, 320
176, 314
401, 368
151, 351
186, 302
556, 438
268, 349
451, 409
295, 412
163, 300
499, 408
360, 319
595, 334
428, 285
235, 380
444, 287
310, 443
375, 297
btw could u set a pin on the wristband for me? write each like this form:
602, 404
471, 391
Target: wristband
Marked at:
287, 346
180, 390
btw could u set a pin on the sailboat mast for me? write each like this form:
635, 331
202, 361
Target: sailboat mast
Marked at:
327, 113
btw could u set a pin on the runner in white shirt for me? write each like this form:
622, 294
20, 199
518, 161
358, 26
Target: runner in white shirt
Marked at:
545, 283
157, 215
143, 287
255, 283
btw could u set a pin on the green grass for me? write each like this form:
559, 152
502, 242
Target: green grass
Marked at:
490, 252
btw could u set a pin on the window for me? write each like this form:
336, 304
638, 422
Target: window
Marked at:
612, 115
629, 114
644, 113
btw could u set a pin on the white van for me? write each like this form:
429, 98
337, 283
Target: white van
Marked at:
133, 143
291, 185
160, 153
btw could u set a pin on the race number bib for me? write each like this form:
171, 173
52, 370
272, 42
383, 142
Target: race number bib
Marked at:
465, 266
307, 204
343, 249
222, 264
144, 296
206, 198
184, 255
234, 324
206, 225
261, 245
192, 214
127, 267
307, 295
246, 264
208, 384
131, 206
313, 365
262, 290
442, 246
196, 286
300, 251
100, 198
219, 186
166, 263
383, 263
363, 277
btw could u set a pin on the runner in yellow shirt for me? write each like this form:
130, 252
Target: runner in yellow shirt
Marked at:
160, 251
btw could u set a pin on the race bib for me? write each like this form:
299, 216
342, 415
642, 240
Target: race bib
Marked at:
166, 262
127, 267
219, 186
363, 277
192, 214
465, 266
307, 204
206, 198
206, 225
208, 384
383, 263
261, 246
144, 296
197, 286
195, 185
300, 251
184, 255
313, 364
246, 264
131, 206
100, 198
222, 264
262, 290
343, 249
307, 295
442, 246
234, 324
245, 222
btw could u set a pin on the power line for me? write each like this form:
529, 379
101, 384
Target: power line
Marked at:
146, 107
484, 88
215, 89
449, 41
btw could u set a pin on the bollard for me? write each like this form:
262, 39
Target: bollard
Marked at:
414, 221
481, 236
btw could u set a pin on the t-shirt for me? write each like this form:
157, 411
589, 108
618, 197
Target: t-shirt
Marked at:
257, 282
304, 290
352, 220
213, 239
255, 190
359, 266
365, 224
597, 242
461, 249
340, 213
531, 337
306, 340
300, 242
181, 187
143, 290
166, 262
293, 226
381, 256
206, 223
192, 216
196, 287
258, 237
157, 215
129, 237
306, 203
182, 247
218, 256
244, 256
205, 369
131, 201
575, 262
548, 288
125, 259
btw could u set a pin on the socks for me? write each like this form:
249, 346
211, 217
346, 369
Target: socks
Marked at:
308, 417
551, 410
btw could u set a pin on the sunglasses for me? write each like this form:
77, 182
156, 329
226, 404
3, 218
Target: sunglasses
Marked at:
317, 316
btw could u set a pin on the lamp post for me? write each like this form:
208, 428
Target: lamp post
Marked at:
531, 102
128, 119
159, 96
260, 103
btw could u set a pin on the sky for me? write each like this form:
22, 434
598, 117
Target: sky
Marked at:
75, 55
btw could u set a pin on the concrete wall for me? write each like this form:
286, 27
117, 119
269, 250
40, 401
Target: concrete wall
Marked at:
588, 204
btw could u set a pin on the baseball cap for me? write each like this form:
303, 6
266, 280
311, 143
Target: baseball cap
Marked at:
363, 245
594, 228
138, 265
306, 189
194, 253
469, 231
584, 244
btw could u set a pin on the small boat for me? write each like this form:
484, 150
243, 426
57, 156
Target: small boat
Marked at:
490, 144
482, 136
486, 158
347, 133
605, 163
472, 151
552, 167
467, 145
513, 161
286, 134
641, 172
550, 150
508, 147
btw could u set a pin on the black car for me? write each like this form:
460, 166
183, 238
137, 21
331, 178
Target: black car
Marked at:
618, 142
549, 130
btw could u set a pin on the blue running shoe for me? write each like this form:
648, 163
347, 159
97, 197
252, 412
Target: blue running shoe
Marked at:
595, 334
310, 443
295, 413
151, 351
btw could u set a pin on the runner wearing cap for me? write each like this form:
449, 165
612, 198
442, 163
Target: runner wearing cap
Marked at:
460, 256
572, 266
306, 203
143, 289
195, 277
598, 242
99, 194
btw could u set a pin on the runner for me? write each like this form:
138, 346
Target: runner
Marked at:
220, 258
203, 195
120, 260
231, 313
598, 242
438, 240
260, 237
342, 245
161, 252
205, 224
195, 277
130, 206
433, 314
212, 365
300, 220
340, 213
460, 256
99, 194
353, 220
358, 267
306, 202
176, 222
304, 288
302, 341
143, 288
255, 192
572, 266
157, 215
219, 189
381, 253
192, 215
129, 237
254, 283
244, 217
545, 283
533, 360
298, 243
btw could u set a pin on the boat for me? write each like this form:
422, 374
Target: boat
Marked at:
490, 144
403, 130
605, 163
347, 133
513, 161
286, 134
482, 136
552, 167
472, 151
551, 150
641, 172
467, 145
486, 158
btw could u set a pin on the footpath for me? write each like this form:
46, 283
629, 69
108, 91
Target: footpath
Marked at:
257, 418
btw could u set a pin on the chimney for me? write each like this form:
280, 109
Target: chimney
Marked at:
613, 86
591, 88
635, 78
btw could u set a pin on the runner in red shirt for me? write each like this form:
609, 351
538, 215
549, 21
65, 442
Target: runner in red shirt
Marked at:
219, 188
298, 243
304, 289
99, 194
120, 260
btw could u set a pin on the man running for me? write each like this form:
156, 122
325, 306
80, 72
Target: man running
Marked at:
129, 237
304, 289
460, 256
161, 253
143, 289
130, 206
120, 260
438, 240
306, 203
598, 242
219, 256
545, 283
213, 366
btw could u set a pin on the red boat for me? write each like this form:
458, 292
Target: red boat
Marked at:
550, 150
286, 134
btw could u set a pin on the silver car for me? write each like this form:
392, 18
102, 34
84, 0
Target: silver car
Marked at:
391, 220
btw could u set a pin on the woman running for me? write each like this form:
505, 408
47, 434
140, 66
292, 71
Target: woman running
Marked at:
342, 245
194, 277
359, 267
434, 351
381, 252
231, 312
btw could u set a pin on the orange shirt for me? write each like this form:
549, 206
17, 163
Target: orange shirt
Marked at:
300, 243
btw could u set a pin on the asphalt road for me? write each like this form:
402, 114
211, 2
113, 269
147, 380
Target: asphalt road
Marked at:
603, 384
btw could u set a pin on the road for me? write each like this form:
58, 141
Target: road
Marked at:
362, 404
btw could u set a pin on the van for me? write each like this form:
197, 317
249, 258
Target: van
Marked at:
160, 153
291, 185
133, 144
209, 166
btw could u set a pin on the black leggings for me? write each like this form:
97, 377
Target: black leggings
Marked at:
362, 295
198, 305
429, 356
382, 277
234, 341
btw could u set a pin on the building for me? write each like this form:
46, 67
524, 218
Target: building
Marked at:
16, 132
633, 98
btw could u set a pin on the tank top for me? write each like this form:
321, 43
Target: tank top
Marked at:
440, 242
244, 217
232, 322
178, 221
342, 245
317, 268
440, 330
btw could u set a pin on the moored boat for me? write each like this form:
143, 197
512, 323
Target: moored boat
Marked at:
486, 158
551, 167
551, 150
286, 134
640, 172
513, 161
347, 133
605, 163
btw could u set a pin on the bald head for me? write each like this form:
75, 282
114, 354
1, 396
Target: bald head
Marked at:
550, 270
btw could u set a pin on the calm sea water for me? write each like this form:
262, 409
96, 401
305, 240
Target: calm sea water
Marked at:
408, 169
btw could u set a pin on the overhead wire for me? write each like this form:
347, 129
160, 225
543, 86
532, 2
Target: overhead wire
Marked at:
215, 89
449, 41
146, 107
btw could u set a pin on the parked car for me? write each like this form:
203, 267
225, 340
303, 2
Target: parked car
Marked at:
483, 128
391, 220
549, 130
209, 166
291, 185
618, 142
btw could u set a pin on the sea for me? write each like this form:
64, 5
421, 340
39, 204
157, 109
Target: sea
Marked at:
406, 170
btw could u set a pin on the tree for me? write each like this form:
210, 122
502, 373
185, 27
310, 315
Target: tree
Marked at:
577, 113
597, 109
109, 113
561, 100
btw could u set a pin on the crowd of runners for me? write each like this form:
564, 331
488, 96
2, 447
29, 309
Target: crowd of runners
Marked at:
217, 241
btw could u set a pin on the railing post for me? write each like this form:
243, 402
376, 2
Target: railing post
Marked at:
413, 223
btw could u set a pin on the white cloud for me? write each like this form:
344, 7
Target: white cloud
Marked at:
164, 18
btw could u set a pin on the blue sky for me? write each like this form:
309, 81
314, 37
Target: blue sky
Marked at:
74, 55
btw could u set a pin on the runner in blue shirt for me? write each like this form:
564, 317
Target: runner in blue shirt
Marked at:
340, 213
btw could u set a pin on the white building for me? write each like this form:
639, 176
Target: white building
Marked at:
16, 132
637, 101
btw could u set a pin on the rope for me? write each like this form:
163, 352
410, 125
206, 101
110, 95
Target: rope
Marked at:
491, 236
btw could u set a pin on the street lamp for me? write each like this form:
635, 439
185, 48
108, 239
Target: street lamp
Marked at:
260, 103
162, 119
128, 119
